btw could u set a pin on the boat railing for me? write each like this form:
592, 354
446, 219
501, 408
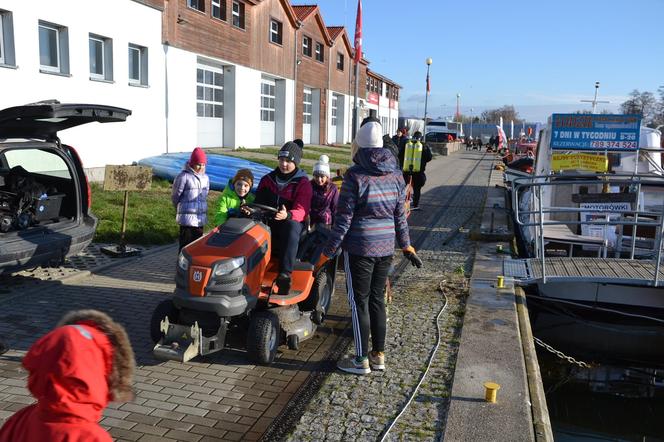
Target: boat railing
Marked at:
537, 216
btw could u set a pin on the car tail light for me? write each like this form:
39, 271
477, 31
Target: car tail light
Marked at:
87, 183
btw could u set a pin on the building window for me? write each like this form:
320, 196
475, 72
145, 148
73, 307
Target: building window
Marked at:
268, 100
308, 106
6, 39
340, 61
138, 65
276, 31
334, 110
53, 48
219, 9
306, 46
198, 5
101, 57
320, 55
209, 93
238, 14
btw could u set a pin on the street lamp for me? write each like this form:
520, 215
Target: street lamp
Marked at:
471, 122
426, 98
458, 112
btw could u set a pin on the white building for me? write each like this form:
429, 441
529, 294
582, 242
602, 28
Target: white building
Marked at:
91, 51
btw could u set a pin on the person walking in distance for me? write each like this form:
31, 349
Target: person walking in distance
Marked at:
189, 196
370, 216
414, 156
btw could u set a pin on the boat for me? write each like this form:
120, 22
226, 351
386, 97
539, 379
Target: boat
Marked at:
220, 168
588, 229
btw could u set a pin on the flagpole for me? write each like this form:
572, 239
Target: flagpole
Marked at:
357, 57
355, 113
426, 99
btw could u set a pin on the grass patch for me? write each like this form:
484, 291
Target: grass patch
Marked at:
339, 155
150, 216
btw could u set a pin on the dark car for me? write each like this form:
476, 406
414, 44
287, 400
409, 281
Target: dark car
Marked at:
439, 137
44, 194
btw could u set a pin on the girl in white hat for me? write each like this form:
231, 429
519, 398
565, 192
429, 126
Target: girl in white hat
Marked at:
325, 194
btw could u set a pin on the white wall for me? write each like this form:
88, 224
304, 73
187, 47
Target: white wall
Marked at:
124, 21
181, 89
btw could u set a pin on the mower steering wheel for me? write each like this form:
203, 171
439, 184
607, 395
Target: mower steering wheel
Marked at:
262, 207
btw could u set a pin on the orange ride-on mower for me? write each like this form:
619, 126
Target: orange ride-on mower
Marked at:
227, 279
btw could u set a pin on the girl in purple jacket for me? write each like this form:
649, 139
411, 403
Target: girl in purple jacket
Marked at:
189, 196
325, 194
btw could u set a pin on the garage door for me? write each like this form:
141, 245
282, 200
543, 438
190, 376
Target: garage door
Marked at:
209, 106
306, 116
268, 106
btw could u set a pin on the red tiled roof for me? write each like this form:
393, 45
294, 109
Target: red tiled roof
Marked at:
335, 31
303, 11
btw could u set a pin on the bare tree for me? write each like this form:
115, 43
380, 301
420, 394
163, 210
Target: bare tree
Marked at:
507, 112
642, 103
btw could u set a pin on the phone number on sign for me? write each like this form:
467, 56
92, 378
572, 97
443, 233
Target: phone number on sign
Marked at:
614, 144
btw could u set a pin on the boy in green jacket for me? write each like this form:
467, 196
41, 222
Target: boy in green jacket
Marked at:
236, 194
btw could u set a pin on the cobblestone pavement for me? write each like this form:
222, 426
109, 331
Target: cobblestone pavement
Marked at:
223, 397
220, 397
349, 407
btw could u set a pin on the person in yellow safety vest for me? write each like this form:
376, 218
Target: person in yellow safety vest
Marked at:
413, 158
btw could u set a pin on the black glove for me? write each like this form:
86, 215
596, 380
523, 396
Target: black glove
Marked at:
410, 254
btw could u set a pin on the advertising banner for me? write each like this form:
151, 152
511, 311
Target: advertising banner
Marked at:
595, 132
579, 161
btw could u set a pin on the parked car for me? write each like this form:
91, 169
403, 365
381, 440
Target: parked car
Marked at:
439, 137
44, 194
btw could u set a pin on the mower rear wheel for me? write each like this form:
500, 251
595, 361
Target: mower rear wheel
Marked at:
320, 298
263, 337
163, 309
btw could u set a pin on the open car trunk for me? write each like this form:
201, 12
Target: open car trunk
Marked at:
44, 213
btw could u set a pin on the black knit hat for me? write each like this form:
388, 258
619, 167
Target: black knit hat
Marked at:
291, 152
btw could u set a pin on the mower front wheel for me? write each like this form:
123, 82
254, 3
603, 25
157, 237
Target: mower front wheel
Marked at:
163, 309
263, 337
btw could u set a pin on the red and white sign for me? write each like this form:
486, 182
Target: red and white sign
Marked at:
373, 97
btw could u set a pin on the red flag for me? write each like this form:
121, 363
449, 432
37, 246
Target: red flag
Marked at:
358, 32
428, 84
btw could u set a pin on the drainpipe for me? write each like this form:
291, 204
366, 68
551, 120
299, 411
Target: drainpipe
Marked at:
328, 102
166, 90
297, 25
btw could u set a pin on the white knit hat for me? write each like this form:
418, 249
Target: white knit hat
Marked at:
370, 135
322, 167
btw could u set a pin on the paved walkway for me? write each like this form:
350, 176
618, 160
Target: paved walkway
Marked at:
223, 397
361, 408
219, 397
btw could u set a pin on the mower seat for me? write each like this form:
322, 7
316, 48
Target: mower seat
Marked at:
311, 244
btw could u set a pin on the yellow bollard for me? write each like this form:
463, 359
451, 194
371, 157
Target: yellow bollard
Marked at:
491, 391
500, 282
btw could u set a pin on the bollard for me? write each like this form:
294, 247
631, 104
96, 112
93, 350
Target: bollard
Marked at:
500, 282
491, 391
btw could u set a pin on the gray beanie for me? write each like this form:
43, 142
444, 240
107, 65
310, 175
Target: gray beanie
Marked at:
291, 152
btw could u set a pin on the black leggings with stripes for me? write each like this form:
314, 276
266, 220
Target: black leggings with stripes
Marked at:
366, 277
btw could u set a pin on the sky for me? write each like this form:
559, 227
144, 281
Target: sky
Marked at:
541, 56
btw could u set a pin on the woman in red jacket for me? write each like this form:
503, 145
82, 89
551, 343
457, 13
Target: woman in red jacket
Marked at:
75, 371
288, 189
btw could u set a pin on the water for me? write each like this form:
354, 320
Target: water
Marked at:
621, 397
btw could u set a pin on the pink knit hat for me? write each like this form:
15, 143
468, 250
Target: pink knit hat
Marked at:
198, 157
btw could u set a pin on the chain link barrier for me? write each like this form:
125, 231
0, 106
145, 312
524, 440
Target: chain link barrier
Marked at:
561, 355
